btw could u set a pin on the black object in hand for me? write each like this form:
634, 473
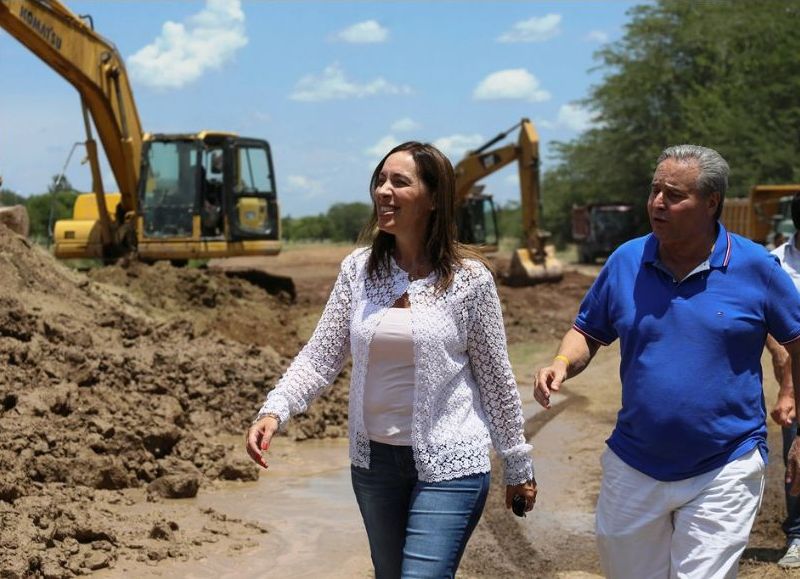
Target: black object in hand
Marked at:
518, 505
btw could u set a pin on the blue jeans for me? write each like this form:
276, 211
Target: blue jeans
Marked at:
415, 528
791, 525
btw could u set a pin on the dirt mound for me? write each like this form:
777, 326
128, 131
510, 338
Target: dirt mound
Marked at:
543, 311
128, 378
212, 300
16, 219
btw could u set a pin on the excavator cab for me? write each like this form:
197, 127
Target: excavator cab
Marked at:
477, 220
202, 195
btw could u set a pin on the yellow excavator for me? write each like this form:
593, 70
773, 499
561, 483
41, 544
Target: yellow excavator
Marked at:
181, 196
534, 261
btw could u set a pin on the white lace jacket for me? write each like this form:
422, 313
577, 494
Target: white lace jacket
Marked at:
466, 396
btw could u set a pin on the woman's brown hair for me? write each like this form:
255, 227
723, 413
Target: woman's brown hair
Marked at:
442, 248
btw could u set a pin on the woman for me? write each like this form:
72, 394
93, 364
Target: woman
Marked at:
431, 384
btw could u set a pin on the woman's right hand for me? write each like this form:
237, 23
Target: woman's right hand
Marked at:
258, 436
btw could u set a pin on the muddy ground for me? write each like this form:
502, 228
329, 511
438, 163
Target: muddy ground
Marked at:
127, 388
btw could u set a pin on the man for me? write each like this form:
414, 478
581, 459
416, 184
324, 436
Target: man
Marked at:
211, 215
692, 304
784, 410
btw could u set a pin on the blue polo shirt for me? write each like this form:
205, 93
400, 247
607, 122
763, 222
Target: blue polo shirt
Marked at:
692, 397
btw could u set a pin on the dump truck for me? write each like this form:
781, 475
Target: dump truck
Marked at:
599, 228
191, 195
534, 261
759, 215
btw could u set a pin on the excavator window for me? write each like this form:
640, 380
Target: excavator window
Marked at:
171, 187
212, 184
254, 202
254, 171
477, 222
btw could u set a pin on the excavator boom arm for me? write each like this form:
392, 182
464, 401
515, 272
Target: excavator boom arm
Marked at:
482, 163
528, 146
94, 67
475, 167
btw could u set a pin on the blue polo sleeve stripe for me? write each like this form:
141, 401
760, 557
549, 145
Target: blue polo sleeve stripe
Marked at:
588, 335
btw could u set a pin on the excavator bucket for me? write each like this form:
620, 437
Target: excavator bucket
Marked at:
526, 270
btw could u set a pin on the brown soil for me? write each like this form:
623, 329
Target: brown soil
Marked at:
133, 383
123, 380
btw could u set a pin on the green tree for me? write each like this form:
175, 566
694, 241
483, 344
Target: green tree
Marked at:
49, 207
9, 197
59, 183
723, 74
509, 219
309, 228
347, 220
342, 222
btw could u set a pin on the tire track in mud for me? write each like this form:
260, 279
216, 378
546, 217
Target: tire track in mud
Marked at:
500, 546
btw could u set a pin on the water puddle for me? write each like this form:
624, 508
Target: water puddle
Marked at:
306, 502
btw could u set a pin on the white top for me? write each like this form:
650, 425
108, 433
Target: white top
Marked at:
790, 259
466, 397
389, 385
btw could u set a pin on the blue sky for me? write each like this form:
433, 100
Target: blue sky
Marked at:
331, 85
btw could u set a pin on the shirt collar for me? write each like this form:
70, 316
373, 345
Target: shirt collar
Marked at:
790, 243
720, 256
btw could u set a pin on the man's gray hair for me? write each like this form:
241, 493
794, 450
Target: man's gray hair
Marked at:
714, 169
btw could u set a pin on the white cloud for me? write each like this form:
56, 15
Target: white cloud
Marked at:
186, 50
454, 146
515, 83
512, 179
383, 146
597, 36
405, 125
533, 30
332, 84
367, 32
575, 117
305, 186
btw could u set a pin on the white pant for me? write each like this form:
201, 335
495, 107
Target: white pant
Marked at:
692, 528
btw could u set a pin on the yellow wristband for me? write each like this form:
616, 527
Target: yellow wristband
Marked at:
563, 358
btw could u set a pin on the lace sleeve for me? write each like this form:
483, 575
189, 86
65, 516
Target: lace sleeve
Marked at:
321, 359
486, 346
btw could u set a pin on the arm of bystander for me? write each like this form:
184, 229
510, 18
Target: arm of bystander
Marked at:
793, 460
783, 412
